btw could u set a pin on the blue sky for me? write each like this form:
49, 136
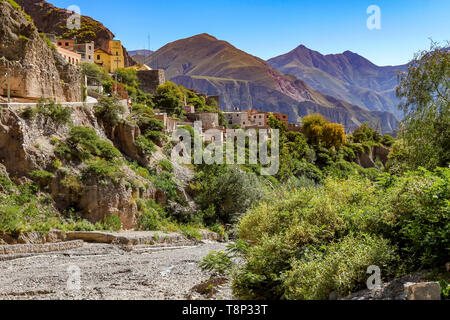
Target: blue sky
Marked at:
267, 28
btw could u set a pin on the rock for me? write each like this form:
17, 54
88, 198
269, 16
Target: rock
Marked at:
36, 70
50, 19
39, 248
423, 291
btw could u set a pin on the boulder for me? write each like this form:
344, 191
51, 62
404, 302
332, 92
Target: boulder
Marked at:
423, 291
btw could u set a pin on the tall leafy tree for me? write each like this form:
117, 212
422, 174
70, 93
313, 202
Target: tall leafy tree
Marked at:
425, 95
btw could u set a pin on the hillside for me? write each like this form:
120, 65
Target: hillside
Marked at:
245, 81
140, 55
347, 76
35, 69
50, 19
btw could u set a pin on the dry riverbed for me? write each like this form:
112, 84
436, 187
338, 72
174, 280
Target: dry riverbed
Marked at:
107, 271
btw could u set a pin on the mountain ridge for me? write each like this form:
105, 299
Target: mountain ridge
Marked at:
217, 67
347, 76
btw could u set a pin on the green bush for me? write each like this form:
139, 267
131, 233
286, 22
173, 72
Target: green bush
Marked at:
420, 208
29, 113
54, 111
84, 143
108, 110
151, 216
144, 145
229, 190
166, 165
341, 267
100, 169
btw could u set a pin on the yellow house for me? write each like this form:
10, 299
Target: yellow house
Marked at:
113, 58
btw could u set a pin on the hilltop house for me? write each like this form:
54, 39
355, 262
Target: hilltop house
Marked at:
112, 59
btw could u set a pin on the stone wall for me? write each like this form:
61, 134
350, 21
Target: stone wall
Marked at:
209, 120
151, 79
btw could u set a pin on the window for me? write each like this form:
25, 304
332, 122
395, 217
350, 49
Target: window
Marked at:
90, 48
89, 57
98, 57
67, 44
59, 43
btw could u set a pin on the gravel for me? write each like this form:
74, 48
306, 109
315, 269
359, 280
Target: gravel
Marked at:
109, 272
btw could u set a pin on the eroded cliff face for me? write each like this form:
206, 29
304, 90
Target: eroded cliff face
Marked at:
50, 19
36, 70
26, 145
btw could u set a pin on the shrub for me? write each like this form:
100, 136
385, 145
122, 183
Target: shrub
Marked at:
151, 216
110, 223
84, 143
42, 177
166, 165
103, 169
340, 268
420, 209
29, 113
144, 145
54, 111
230, 190
108, 110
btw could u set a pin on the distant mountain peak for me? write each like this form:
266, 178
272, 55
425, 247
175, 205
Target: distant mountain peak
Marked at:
348, 76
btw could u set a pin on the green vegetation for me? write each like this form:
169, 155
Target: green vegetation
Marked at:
108, 111
83, 143
49, 109
425, 90
323, 220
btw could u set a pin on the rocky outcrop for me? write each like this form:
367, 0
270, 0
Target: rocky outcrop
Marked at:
50, 19
35, 69
369, 158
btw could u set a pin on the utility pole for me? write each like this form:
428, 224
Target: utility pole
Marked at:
115, 88
8, 76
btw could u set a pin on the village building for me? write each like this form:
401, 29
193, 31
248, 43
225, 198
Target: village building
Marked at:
70, 56
112, 59
210, 120
86, 50
151, 79
170, 124
237, 117
66, 44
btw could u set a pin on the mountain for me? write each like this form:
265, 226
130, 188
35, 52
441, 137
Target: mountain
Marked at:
347, 76
50, 19
140, 55
214, 66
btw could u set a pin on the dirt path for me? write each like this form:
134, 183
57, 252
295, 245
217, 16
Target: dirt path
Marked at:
108, 272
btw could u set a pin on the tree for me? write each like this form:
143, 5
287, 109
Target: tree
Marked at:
169, 97
128, 77
312, 127
333, 135
95, 74
425, 94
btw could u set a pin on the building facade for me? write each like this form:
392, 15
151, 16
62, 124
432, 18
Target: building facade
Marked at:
86, 50
112, 59
71, 57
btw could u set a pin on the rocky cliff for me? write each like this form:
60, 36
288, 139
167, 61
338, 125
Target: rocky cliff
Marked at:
50, 19
28, 145
36, 70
